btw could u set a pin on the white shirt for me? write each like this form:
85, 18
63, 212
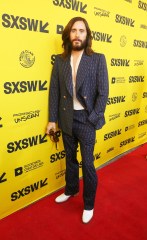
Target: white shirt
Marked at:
76, 104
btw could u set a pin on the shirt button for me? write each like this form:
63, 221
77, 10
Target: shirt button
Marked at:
64, 97
85, 97
64, 109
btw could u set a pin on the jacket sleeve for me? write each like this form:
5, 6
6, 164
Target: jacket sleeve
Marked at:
102, 91
54, 93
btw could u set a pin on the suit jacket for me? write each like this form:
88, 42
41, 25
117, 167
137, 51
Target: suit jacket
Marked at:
91, 90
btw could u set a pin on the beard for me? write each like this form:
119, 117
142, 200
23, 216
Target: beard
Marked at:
78, 46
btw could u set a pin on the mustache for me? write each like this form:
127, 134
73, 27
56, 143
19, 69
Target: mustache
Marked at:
76, 39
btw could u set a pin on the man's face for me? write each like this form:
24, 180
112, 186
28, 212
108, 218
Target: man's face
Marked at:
78, 36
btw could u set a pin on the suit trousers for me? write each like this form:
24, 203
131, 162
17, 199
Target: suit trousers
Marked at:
83, 132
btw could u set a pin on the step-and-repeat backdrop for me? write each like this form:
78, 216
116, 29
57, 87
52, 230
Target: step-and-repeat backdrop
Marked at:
30, 34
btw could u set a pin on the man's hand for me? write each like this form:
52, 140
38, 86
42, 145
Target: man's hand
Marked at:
51, 125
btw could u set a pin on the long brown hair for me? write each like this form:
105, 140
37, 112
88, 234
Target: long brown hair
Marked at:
66, 37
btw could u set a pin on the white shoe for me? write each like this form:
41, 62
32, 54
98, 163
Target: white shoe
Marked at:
62, 198
87, 215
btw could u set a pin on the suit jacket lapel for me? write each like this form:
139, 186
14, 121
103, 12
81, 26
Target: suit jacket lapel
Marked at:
82, 71
67, 73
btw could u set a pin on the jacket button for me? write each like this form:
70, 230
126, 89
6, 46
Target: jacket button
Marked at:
85, 97
64, 97
64, 109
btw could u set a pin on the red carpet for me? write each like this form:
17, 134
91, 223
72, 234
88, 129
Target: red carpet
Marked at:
120, 209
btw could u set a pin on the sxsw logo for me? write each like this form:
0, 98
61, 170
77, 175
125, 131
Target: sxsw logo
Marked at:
74, 5
112, 134
142, 5
103, 37
115, 100
23, 23
57, 156
97, 156
127, 141
142, 123
25, 143
124, 20
29, 189
132, 112
139, 43
24, 86
118, 62
2, 177
134, 79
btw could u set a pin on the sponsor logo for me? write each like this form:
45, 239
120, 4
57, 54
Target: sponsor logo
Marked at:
60, 174
112, 134
101, 12
124, 20
28, 189
74, 5
118, 62
144, 95
24, 86
140, 44
2, 178
21, 117
110, 149
142, 123
0, 123
143, 26
130, 127
59, 29
142, 5
123, 41
141, 135
132, 112
25, 143
134, 96
23, 23
127, 141
114, 116
138, 62
26, 58
103, 37
57, 156
118, 80
115, 100
134, 79
28, 167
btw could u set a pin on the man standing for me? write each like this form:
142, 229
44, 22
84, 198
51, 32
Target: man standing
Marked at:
77, 101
